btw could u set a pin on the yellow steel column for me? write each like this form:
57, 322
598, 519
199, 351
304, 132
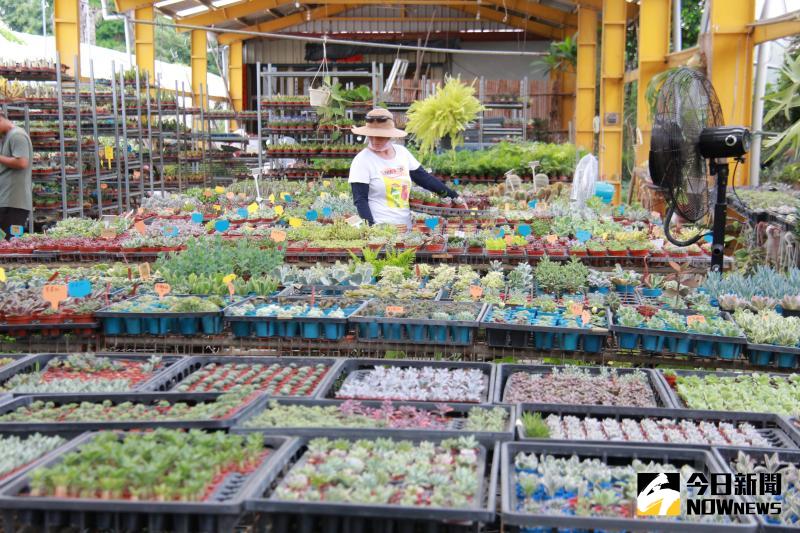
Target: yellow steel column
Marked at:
567, 98
612, 73
199, 67
144, 35
586, 82
730, 64
235, 77
654, 36
67, 18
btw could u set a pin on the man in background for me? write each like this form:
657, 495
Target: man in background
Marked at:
16, 187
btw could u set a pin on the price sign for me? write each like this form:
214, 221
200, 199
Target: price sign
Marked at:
295, 222
219, 189
79, 289
242, 212
140, 227
476, 291
108, 233
532, 204
583, 235
312, 215
524, 230
271, 198
277, 235
3, 275
432, 222
694, 319
394, 310
162, 289
197, 218
54, 294
17, 231
144, 271
207, 193
552, 239
222, 225
104, 186
586, 317
576, 308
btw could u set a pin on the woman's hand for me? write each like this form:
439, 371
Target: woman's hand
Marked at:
460, 201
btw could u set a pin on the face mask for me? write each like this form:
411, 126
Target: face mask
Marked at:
373, 147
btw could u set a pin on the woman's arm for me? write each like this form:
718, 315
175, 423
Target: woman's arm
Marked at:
428, 181
361, 199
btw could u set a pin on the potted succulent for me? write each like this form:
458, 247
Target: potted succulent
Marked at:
578, 250
654, 284
456, 245
475, 245
595, 248
616, 248
675, 252
639, 248
496, 246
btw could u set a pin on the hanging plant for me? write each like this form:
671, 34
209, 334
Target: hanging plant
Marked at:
445, 113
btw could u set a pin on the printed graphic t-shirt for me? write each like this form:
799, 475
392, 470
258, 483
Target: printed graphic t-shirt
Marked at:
389, 183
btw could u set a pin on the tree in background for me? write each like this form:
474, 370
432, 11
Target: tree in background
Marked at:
26, 15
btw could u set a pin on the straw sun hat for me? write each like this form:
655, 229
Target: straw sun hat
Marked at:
380, 123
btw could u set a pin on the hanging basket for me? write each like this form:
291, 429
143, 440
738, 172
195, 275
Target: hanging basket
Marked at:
319, 97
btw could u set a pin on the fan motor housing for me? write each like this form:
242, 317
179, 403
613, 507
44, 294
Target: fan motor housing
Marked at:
724, 141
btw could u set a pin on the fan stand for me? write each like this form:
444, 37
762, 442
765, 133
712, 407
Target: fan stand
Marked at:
720, 169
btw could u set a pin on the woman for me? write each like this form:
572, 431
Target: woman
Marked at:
382, 173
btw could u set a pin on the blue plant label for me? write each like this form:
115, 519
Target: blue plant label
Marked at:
621, 210
170, 231
17, 231
79, 289
501, 233
583, 235
709, 238
242, 212
312, 215
524, 230
222, 225
456, 181
287, 198
327, 212
197, 218
532, 204
432, 222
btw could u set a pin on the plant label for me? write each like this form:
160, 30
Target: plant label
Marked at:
219, 189
658, 243
543, 205
162, 289
79, 289
456, 181
170, 231
287, 197
532, 204
108, 234
277, 235
108, 152
327, 212
144, 271
326, 183
312, 215
432, 222
583, 235
242, 195
709, 238
694, 319
230, 195
621, 210
207, 193
3, 275
279, 210
354, 220
17, 231
104, 186
475, 291
524, 230
54, 294
394, 310
222, 225
140, 227
552, 239
295, 222
217, 207
508, 206
229, 279
271, 198
655, 214
576, 308
501, 233
197, 218
252, 208
509, 239
231, 289
323, 194
242, 212
586, 317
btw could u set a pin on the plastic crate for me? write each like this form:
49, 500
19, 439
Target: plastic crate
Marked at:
785, 357
195, 363
164, 323
776, 429
10, 476
506, 369
417, 331
541, 337
18, 358
702, 460
308, 517
455, 427
40, 361
138, 397
352, 368
324, 327
220, 514
728, 455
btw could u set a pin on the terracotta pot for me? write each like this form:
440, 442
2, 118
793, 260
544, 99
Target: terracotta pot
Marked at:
496, 252
618, 253
475, 250
596, 253
643, 252
578, 253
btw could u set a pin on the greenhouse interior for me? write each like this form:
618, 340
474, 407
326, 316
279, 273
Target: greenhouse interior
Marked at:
514, 266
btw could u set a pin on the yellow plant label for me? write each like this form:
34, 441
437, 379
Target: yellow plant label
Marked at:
107, 234
323, 194
394, 310
326, 183
295, 222
54, 294
144, 271
228, 279
217, 207
279, 210
252, 208
271, 198
219, 189
277, 235
343, 195
108, 151
162, 289
3, 275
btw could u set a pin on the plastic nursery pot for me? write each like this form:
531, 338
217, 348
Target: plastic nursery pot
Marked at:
704, 348
639, 253
417, 332
187, 326
651, 293
628, 341
392, 332
625, 289
760, 357
133, 326
371, 330
310, 330
728, 350
543, 340
569, 341
112, 326
240, 329
263, 329
592, 343
460, 334
211, 325
653, 343
438, 333
678, 345
333, 331
785, 360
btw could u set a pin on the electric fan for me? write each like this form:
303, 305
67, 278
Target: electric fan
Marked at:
689, 145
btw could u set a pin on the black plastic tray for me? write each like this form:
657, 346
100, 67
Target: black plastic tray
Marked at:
461, 409
776, 429
40, 361
678, 402
533, 328
123, 515
506, 369
105, 313
18, 358
291, 512
137, 397
774, 348
612, 326
16, 473
726, 455
698, 458
298, 298
349, 366
195, 363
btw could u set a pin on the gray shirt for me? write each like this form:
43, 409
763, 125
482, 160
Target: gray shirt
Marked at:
15, 184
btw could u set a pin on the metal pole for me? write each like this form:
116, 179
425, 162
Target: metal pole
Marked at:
93, 96
759, 88
61, 136
677, 44
77, 86
259, 127
44, 18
